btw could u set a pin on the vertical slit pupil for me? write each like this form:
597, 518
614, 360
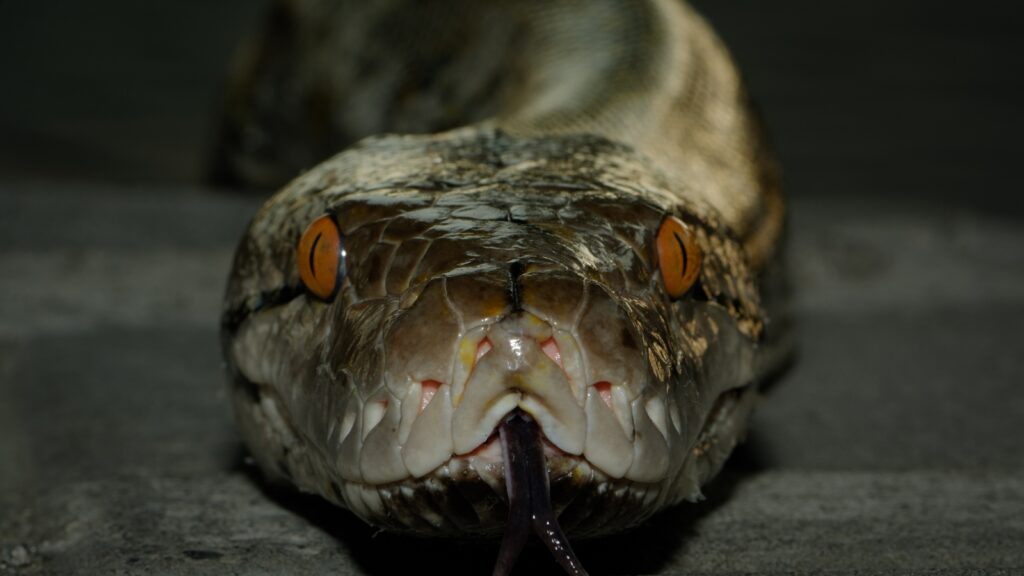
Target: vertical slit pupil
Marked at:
682, 248
312, 254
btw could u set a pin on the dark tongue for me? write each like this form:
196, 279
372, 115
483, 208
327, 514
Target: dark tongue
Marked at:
529, 504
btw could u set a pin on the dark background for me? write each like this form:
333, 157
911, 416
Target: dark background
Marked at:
908, 99
893, 445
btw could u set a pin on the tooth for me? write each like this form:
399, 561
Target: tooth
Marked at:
607, 447
652, 496
410, 410
571, 363
332, 427
677, 422
373, 413
371, 499
550, 348
381, 458
655, 408
429, 443
348, 418
340, 427
351, 443
419, 503
622, 411
354, 499
492, 474
464, 361
650, 452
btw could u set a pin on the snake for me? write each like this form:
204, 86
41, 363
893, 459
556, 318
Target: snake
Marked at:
523, 272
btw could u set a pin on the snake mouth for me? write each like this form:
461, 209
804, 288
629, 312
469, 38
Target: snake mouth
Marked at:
529, 499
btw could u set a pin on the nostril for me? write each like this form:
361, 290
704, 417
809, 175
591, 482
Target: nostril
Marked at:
550, 347
482, 348
429, 388
605, 390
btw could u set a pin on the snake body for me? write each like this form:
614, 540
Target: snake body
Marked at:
499, 257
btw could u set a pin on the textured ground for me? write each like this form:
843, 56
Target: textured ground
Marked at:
895, 445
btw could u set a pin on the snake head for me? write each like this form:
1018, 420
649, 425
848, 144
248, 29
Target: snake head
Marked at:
486, 275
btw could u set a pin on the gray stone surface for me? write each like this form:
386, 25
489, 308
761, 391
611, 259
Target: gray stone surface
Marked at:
894, 444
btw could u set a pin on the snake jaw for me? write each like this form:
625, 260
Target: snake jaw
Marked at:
529, 500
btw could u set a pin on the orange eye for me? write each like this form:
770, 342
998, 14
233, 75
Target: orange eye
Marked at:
321, 258
679, 257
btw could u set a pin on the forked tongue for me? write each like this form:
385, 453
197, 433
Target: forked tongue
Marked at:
529, 503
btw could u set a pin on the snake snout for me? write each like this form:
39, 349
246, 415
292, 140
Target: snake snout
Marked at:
571, 359
518, 372
464, 357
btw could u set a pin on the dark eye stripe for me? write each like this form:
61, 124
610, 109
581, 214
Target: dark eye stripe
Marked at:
233, 318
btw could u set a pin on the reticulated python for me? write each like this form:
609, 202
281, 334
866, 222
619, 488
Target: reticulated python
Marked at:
549, 312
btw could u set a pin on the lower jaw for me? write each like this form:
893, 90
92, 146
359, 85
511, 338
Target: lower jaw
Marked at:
466, 497
489, 453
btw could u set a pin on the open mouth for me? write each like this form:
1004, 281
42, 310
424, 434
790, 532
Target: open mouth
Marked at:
526, 481
490, 451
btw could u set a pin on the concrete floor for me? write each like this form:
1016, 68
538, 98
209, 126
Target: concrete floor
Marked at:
894, 445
